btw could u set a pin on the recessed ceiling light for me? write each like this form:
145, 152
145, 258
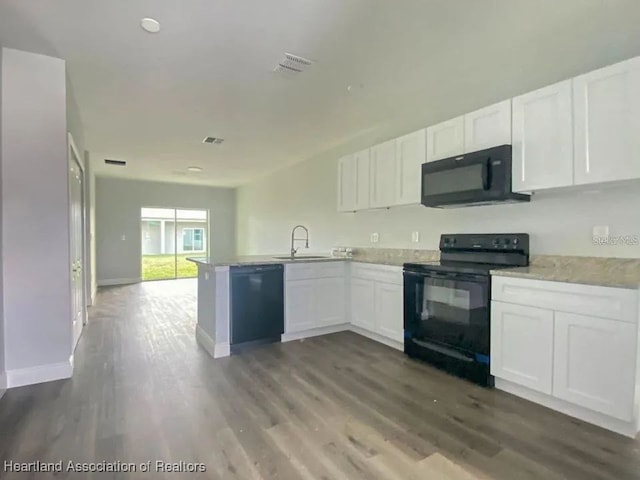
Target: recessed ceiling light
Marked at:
150, 25
195, 169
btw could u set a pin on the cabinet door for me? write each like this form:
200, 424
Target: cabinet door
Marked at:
389, 311
347, 184
362, 173
522, 345
330, 298
607, 122
362, 303
299, 305
543, 138
445, 139
594, 362
488, 127
411, 151
383, 164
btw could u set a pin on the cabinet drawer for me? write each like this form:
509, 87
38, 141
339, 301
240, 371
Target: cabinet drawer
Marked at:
379, 273
613, 303
304, 271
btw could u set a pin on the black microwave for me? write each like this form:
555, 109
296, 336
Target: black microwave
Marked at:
478, 178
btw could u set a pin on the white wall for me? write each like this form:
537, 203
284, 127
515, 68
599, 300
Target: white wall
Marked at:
35, 218
3, 380
558, 223
118, 203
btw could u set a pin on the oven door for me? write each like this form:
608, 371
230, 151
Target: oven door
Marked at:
447, 309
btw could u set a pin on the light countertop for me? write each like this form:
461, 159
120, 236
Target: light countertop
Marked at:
604, 272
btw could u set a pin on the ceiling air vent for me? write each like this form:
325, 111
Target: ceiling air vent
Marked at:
119, 163
292, 64
215, 140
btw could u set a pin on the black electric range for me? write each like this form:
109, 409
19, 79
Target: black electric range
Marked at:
447, 317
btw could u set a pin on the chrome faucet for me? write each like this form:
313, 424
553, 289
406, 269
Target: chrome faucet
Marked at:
293, 239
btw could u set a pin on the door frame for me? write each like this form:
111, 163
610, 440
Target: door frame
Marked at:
73, 155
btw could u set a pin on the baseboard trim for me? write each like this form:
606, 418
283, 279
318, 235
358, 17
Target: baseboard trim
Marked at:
39, 374
628, 429
206, 341
109, 282
315, 332
376, 337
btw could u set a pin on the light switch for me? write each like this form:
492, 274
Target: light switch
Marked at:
375, 237
415, 237
124, 237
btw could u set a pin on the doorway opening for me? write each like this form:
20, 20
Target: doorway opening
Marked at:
169, 237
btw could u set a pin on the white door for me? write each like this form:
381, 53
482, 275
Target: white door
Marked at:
347, 184
543, 138
607, 123
389, 311
76, 224
488, 127
593, 366
362, 175
299, 305
522, 345
383, 164
362, 303
411, 153
445, 139
330, 301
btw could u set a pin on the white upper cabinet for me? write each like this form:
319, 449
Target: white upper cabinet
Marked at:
543, 138
411, 151
488, 127
382, 174
347, 184
445, 139
607, 123
362, 165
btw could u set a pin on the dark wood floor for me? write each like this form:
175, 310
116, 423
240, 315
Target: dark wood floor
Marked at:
338, 406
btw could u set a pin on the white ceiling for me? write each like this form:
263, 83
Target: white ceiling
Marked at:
151, 99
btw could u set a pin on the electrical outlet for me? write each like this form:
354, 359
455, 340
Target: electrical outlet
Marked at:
375, 237
124, 237
415, 237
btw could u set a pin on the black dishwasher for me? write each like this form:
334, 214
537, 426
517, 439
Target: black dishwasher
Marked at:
257, 305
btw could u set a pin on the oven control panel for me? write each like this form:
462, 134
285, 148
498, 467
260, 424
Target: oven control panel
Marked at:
485, 241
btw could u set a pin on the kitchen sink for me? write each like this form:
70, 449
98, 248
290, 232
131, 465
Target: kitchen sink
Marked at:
302, 257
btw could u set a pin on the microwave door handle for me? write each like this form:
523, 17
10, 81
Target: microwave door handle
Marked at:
486, 174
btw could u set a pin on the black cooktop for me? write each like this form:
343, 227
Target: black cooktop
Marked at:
477, 253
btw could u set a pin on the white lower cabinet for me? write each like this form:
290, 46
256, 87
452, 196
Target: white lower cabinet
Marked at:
377, 300
363, 293
315, 296
329, 298
578, 354
522, 345
593, 363
299, 305
389, 311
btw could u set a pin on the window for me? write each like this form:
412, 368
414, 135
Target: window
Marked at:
193, 239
